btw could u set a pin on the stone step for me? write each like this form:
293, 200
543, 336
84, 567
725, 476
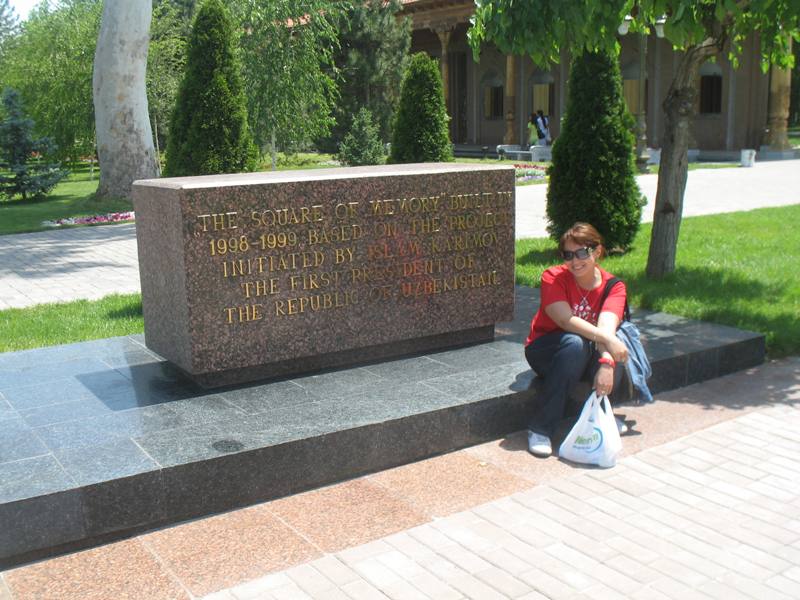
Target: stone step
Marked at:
103, 439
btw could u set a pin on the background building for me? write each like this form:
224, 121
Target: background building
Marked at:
489, 102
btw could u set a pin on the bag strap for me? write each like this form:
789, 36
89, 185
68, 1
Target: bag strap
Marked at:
610, 284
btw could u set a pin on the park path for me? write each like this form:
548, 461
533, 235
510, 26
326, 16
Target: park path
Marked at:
708, 191
92, 262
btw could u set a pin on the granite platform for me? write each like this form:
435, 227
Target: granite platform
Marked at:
103, 439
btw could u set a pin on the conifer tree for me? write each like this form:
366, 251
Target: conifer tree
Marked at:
373, 50
592, 177
208, 130
361, 145
420, 128
24, 170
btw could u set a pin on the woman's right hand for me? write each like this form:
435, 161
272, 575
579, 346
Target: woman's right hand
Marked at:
617, 349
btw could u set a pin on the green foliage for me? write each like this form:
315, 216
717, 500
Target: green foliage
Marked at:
370, 61
420, 127
209, 132
726, 273
592, 177
166, 61
362, 146
50, 62
288, 48
542, 28
22, 173
184, 9
8, 21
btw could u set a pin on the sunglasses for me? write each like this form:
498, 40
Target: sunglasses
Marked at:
580, 253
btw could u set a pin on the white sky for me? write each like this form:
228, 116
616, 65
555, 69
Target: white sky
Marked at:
23, 7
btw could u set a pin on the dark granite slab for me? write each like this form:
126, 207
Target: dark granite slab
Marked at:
120, 446
6, 410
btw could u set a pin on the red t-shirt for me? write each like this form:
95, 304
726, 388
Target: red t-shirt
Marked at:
558, 284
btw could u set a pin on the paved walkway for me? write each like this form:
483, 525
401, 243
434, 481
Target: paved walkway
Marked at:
708, 191
714, 515
91, 262
704, 504
68, 264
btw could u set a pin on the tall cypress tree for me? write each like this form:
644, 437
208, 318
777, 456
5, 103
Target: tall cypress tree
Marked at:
592, 177
208, 130
420, 127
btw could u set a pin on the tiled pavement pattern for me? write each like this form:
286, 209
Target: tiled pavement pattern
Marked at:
705, 503
67, 264
91, 262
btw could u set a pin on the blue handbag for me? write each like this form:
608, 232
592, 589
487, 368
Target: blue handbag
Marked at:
638, 367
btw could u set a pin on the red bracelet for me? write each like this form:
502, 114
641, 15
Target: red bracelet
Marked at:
607, 361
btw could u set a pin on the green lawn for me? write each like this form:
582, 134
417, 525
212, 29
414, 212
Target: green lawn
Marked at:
736, 269
300, 160
52, 324
73, 197
794, 136
694, 166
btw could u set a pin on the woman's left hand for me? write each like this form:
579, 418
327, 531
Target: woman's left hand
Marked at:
604, 380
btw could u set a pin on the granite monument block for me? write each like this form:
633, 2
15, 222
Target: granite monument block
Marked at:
259, 275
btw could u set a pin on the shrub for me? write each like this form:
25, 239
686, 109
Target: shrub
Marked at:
208, 131
592, 178
420, 128
361, 145
24, 171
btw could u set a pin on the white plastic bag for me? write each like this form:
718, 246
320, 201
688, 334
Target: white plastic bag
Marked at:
594, 438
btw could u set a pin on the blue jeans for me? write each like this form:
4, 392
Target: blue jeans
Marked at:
562, 359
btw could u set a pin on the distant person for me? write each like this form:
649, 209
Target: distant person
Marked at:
533, 130
572, 337
544, 126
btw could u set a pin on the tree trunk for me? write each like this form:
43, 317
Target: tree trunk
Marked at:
673, 170
272, 151
124, 137
158, 150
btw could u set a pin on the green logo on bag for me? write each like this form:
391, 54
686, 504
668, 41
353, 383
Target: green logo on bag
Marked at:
589, 443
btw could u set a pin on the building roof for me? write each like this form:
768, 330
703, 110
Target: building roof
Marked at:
437, 14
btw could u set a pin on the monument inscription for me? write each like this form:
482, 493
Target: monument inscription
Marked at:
264, 274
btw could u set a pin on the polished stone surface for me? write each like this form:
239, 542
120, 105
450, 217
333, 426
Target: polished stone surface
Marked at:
366, 262
116, 446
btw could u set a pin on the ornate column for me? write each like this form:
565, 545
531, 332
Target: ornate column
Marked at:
510, 100
444, 31
775, 136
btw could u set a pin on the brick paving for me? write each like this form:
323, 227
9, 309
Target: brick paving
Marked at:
715, 514
703, 504
68, 264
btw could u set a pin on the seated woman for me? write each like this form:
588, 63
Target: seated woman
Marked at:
572, 337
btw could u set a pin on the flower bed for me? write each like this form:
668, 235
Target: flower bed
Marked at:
118, 217
530, 172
